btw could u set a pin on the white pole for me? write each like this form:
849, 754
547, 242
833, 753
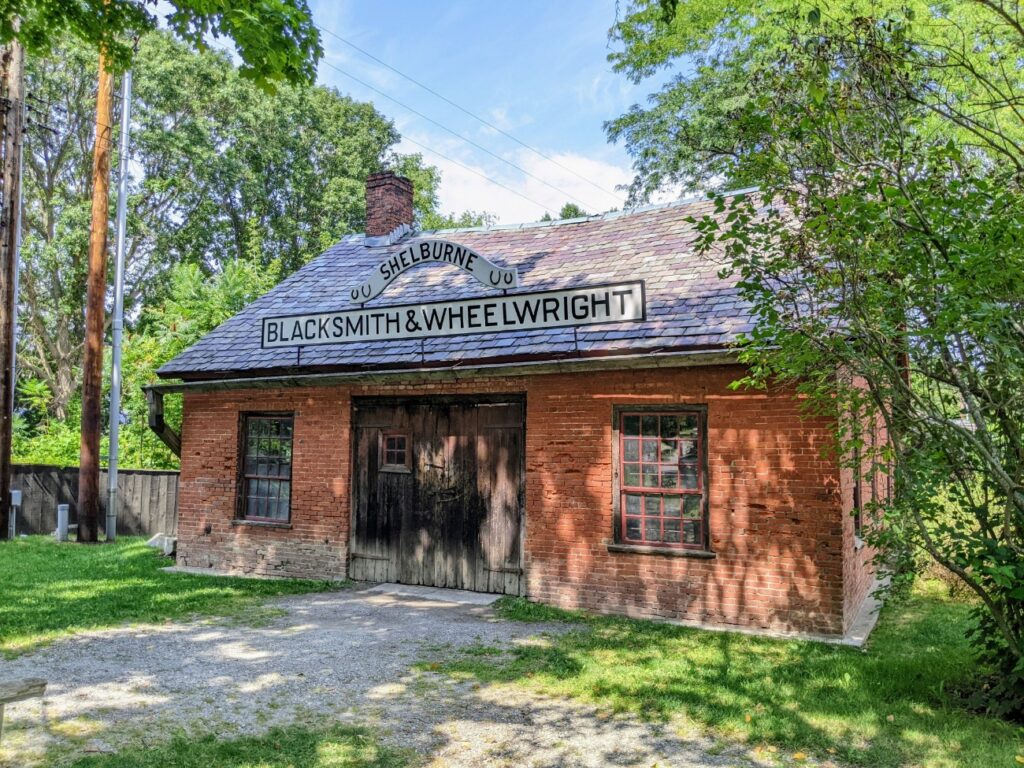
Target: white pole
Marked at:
118, 325
17, 255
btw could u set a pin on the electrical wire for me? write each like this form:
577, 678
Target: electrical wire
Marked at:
455, 134
462, 109
474, 171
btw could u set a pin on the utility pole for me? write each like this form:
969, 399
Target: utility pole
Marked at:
12, 120
118, 325
96, 288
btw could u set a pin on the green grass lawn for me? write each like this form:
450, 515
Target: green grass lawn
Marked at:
890, 704
294, 747
49, 590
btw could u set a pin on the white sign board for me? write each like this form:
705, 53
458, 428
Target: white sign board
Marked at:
589, 305
434, 251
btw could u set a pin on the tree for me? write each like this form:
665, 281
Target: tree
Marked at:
195, 303
276, 40
222, 171
883, 256
569, 211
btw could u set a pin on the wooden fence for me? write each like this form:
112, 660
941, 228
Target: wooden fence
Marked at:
147, 499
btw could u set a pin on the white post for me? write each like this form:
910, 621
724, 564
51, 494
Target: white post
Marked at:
118, 324
17, 259
62, 521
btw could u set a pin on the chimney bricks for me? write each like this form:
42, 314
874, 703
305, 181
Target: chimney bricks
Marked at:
388, 203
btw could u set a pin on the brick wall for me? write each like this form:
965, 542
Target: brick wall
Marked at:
858, 568
776, 502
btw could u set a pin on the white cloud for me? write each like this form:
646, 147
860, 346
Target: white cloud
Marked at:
523, 199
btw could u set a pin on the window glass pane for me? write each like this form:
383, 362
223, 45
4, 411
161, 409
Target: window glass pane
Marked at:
691, 532
659, 455
266, 466
650, 450
650, 475
394, 450
669, 450
631, 450
672, 535
631, 475
691, 506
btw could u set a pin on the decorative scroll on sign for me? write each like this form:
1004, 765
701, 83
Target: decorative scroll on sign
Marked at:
587, 305
434, 251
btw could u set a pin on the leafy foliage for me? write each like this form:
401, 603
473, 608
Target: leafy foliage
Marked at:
568, 211
222, 172
197, 303
276, 40
883, 257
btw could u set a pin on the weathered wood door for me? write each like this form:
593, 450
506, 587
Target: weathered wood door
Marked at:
437, 493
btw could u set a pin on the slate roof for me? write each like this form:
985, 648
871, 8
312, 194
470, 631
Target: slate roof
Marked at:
688, 306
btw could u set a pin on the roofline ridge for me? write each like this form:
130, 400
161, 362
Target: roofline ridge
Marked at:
677, 203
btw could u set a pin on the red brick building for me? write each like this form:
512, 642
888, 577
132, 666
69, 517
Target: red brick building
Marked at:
541, 410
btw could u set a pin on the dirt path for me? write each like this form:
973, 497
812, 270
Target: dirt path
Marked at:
344, 656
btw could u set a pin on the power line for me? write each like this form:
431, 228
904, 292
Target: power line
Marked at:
455, 134
474, 171
462, 109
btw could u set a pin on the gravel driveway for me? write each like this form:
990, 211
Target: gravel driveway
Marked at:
344, 656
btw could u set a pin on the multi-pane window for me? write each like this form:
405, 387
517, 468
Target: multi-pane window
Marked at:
661, 479
267, 468
395, 451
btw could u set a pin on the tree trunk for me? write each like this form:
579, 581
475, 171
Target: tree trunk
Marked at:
92, 368
9, 221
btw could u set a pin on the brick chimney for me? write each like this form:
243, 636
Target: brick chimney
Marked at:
388, 204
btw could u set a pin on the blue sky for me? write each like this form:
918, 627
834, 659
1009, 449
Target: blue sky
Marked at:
537, 70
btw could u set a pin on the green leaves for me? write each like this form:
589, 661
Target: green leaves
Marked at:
276, 40
893, 287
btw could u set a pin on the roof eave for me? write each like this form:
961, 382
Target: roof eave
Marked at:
673, 359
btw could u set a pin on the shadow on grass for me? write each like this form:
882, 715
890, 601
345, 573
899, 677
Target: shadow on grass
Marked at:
886, 705
48, 590
293, 747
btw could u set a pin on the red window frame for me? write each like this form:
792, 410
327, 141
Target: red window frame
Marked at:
697, 524
406, 450
277, 486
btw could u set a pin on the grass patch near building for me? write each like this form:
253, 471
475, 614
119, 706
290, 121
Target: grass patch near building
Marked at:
889, 705
50, 590
291, 747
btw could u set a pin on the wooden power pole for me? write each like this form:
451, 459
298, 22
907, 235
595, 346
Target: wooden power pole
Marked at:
11, 120
96, 289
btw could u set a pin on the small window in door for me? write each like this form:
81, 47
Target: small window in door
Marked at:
394, 449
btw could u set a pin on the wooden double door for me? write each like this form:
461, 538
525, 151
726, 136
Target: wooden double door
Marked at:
438, 492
